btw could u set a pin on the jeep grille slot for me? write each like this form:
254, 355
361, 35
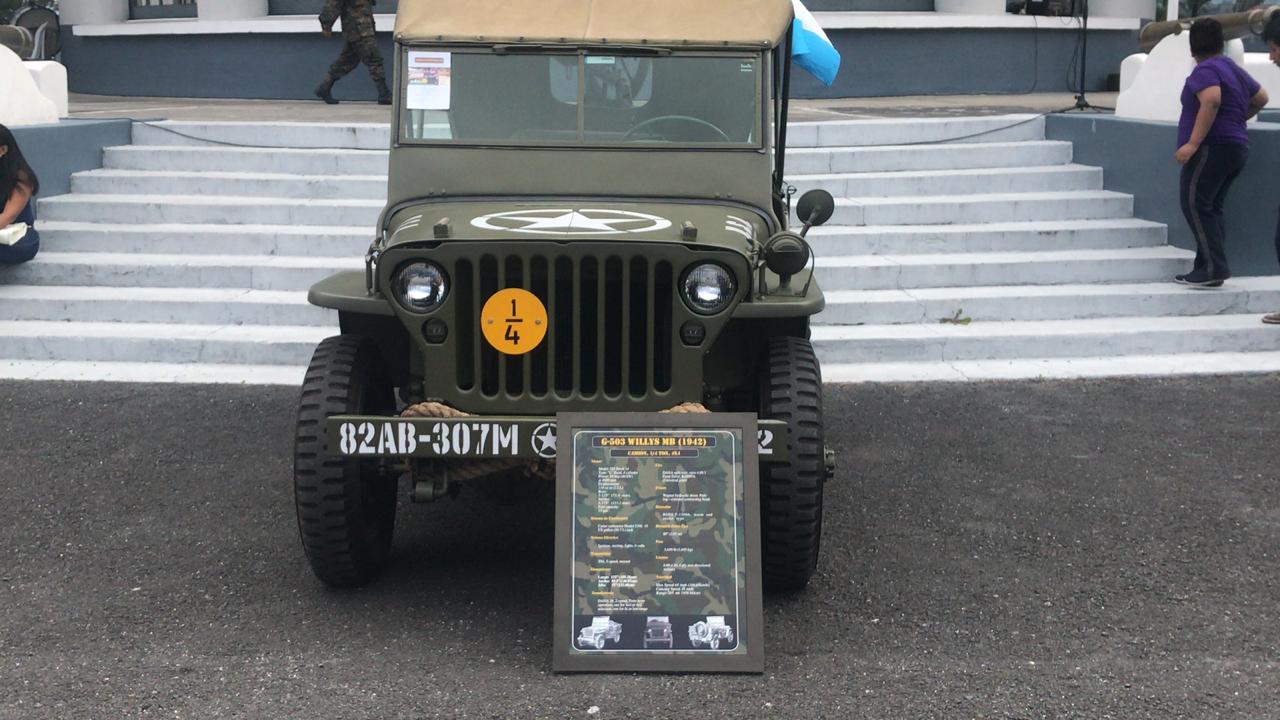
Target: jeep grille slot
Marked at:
488, 285
610, 328
514, 367
468, 343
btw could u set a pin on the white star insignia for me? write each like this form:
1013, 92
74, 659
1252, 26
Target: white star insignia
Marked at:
544, 441
570, 221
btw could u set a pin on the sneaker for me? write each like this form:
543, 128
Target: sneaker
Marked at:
324, 93
1197, 282
1272, 319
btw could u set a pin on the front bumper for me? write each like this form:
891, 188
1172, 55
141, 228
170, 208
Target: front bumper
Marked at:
481, 438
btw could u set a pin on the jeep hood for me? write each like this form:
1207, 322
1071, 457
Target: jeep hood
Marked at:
729, 226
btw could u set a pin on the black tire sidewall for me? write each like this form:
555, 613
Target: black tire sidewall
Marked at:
346, 509
791, 493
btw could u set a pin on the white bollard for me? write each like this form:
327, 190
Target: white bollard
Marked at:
51, 80
1259, 65
1156, 89
23, 103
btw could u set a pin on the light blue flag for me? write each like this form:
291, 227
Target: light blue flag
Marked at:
810, 47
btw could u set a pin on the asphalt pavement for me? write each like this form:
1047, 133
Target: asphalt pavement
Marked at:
1098, 549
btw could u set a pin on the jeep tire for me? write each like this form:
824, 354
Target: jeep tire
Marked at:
346, 507
791, 492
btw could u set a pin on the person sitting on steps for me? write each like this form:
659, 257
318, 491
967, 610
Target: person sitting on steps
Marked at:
359, 44
18, 185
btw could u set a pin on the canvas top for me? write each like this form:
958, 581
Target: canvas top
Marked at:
703, 23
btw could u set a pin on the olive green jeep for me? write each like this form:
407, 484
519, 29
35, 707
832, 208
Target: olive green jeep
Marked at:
586, 212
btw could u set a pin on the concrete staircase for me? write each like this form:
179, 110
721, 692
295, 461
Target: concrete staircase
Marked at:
990, 257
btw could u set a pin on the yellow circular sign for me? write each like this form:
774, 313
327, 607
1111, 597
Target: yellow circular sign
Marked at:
514, 321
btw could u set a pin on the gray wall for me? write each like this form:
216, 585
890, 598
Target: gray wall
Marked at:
286, 66
944, 62
1138, 159
870, 5
57, 150
312, 7
876, 63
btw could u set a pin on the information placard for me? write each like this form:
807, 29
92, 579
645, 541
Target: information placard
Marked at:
657, 543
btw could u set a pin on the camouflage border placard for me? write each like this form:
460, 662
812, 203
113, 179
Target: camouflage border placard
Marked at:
657, 543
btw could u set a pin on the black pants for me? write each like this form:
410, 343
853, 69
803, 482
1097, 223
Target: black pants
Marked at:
1205, 182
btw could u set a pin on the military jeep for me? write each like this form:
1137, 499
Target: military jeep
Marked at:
600, 631
586, 212
710, 633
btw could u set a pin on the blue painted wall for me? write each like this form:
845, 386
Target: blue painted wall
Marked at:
312, 7
1138, 159
285, 66
870, 5
880, 63
57, 150
876, 63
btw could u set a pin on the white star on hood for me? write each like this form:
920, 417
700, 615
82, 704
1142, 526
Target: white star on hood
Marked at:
572, 220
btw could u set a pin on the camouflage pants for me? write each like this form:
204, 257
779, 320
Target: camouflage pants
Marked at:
361, 49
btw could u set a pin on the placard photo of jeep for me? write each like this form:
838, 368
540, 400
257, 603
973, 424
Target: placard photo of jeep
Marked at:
657, 633
586, 212
601, 631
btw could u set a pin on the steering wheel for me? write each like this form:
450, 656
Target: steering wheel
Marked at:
677, 118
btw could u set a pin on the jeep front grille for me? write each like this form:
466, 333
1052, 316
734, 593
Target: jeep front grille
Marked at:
610, 331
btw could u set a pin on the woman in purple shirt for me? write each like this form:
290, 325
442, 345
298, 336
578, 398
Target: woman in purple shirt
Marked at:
1213, 146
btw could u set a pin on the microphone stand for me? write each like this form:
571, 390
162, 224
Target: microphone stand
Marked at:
1082, 103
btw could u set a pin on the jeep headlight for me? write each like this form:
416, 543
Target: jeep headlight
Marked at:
708, 288
420, 286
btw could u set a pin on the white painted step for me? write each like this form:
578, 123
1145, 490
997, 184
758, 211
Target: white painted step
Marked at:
1211, 363
253, 160
148, 209
953, 182
934, 342
900, 131
998, 207
377, 136
362, 136
205, 239
217, 306
886, 272
177, 271
140, 342
1110, 233
1048, 302
811, 161
152, 372
276, 185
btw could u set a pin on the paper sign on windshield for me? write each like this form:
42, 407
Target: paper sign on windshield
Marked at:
430, 75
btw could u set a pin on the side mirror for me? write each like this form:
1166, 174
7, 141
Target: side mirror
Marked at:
815, 208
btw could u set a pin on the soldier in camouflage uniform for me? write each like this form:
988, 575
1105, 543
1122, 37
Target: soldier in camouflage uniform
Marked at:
358, 45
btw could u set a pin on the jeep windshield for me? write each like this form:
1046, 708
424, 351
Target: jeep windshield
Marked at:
531, 97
